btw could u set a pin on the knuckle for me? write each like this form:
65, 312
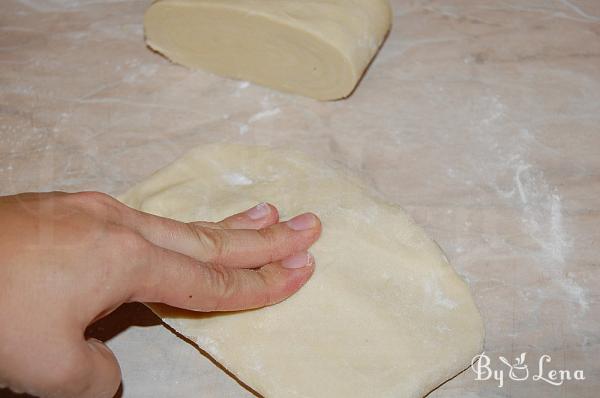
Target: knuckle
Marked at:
130, 241
267, 297
212, 243
92, 201
269, 238
224, 281
224, 285
92, 197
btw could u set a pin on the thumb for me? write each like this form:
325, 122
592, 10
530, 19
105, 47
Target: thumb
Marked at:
89, 369
105, 374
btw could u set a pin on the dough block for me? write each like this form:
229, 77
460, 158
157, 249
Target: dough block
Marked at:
318, 49
384, 314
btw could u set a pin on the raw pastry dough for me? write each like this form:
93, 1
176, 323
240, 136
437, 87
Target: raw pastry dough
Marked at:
319, 49
384, 315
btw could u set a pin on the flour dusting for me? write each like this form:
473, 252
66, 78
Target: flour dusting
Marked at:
237, 179
264, 114
432, 289
538, 202
241, 87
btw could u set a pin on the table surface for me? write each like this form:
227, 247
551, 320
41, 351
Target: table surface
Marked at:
481, 118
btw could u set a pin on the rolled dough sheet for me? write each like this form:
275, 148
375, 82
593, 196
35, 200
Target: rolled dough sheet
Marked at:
318, 49
384, 314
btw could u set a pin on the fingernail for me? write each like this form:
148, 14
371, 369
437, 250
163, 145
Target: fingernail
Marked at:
259, 211
302, 222
298, 260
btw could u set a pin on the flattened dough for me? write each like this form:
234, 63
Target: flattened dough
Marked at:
318, 49
384, 314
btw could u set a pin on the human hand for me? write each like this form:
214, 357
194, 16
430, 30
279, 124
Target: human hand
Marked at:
67, 260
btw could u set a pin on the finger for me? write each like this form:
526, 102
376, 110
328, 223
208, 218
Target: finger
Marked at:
182, 282
180, 237
230, 247
87, 369
260, 216
246, 248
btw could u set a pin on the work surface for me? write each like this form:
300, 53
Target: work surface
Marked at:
481, 118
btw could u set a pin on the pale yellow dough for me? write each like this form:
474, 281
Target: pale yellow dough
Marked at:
318, 49
384, 315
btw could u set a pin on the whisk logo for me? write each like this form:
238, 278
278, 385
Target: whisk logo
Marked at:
519, 370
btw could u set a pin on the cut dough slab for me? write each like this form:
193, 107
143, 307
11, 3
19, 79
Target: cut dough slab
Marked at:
318, 49
384, 314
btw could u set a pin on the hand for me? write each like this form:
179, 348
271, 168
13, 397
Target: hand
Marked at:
67, 260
